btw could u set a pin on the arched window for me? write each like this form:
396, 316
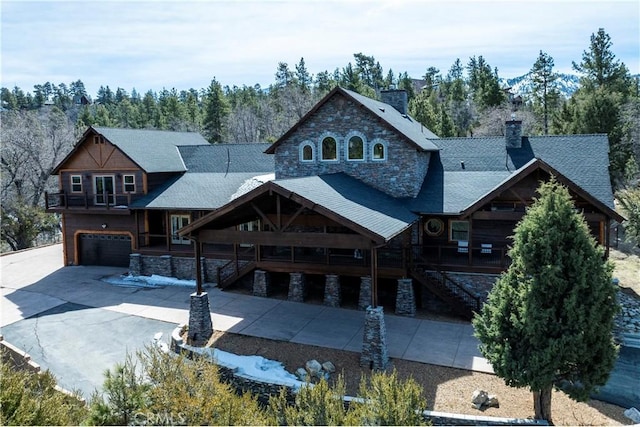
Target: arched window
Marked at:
329, 149
355, 148
307, 152
379, 151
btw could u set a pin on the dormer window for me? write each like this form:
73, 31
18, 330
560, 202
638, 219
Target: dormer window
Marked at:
329, 149
355, 148
379, 151
307, 152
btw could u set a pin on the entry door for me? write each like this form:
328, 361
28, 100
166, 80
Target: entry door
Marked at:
104, 184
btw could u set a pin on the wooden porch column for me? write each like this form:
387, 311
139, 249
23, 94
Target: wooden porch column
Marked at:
167, 221
374, 277
198, 254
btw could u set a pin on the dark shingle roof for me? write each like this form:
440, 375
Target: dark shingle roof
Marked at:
354, 201
448, 188
201, 191
152, 150
404, 124
227, 158
216, 174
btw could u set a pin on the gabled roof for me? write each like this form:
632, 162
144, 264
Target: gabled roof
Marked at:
416, 134
216, 174
354, 201
525, 171
451, 188
348, 201
152, 150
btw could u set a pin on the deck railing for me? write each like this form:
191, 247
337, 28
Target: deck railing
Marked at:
86, 200
444, 257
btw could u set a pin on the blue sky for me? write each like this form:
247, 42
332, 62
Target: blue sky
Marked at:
184, 44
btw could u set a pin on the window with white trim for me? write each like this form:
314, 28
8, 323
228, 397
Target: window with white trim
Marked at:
307, 152
355, 148
76, 183
458, 230
329, 149
379, 151
129, 183
177, 222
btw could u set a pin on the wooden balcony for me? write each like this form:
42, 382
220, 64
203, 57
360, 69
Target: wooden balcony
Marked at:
476, 258
390, 262
90, 203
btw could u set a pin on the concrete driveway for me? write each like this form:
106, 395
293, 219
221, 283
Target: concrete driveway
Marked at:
77, 325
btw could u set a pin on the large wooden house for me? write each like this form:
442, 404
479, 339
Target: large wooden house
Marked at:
365, 200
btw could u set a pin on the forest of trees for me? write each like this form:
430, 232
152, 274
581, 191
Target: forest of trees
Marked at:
40, 127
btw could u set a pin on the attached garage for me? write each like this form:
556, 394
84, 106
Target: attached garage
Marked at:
104, 249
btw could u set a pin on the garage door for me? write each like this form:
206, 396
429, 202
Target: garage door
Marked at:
105, 249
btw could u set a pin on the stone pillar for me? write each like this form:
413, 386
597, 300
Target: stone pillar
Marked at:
297, 284
375, 354
200, 326
364, 300
405, 299
135, 264
332, 290
164, 266
260, 283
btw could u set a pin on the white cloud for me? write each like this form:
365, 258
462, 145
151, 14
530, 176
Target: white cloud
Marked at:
150, 45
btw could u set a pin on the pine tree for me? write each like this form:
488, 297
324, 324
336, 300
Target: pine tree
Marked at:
549, 318
544, 79
605, 87
216, 109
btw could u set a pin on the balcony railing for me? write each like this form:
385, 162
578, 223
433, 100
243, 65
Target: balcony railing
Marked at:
452, 256
87, 200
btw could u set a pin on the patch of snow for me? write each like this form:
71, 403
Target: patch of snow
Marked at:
256, 367
153, 281
252, 183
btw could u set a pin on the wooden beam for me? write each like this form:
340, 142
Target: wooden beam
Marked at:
293, 217
263, 216
271, 238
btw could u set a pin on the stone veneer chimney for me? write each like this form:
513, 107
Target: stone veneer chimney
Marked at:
397, 98
513, 133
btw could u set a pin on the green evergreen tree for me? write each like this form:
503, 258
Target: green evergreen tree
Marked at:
544, 79
423, 108
605, 88
302, 76
216, 109
549, 318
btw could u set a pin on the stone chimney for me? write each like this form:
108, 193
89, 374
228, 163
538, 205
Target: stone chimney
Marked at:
513, 133
397, 98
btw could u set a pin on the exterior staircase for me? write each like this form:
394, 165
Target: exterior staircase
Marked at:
233, 271
455, 295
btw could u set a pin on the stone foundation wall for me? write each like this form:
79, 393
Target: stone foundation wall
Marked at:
477, 284
179, 267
